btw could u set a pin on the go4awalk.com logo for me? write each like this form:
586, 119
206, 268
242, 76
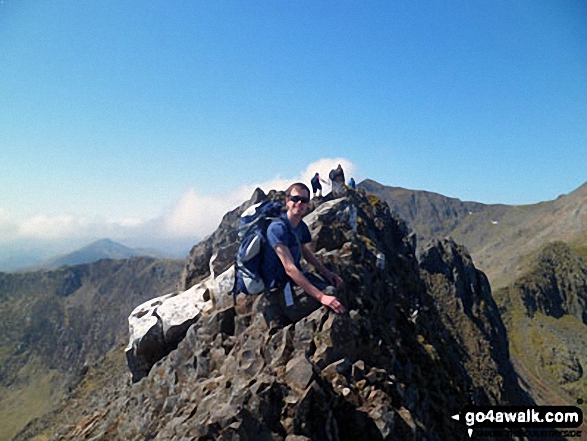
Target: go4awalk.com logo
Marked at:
556, 420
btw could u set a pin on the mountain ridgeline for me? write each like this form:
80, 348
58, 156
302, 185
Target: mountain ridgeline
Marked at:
496, 235
98, 250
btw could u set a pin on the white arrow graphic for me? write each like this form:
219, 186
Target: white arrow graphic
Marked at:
457, 418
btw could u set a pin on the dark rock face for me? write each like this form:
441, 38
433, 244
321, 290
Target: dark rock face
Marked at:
462, 295
557, 285
379, 372
72, 281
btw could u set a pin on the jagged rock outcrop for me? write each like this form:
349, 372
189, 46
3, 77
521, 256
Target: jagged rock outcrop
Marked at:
157, 326
544, 312
149, 324
462, 296
379, 372
556, 285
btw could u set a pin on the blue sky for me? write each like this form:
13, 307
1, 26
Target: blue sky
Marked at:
150, 118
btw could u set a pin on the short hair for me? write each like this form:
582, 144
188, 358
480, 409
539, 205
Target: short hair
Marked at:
299, 186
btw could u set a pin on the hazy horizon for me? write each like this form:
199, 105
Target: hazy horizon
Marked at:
39, 251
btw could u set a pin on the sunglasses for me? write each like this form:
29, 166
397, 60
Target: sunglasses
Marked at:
296, 199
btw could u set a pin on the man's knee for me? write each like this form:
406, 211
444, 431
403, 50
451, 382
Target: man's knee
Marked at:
273, 310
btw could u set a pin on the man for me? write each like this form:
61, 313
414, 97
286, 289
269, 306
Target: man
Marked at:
316, 185
337, 177
293, 294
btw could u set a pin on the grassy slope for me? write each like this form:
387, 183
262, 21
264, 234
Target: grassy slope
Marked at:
543, 351
34, 397
580, 247
46, 339
100, 385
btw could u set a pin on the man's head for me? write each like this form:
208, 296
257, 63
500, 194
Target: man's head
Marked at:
297, 197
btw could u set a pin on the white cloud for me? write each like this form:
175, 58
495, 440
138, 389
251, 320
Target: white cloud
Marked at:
322, 166
194, 215
47, 228
56, 227
130, 222
69, 226
198, 215
8, 228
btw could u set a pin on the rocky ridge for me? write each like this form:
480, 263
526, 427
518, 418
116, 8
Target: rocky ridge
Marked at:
545, 313
557, 285
462, 295
496, 235
365, 375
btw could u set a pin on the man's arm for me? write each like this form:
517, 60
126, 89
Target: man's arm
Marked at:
313, 260
296, 275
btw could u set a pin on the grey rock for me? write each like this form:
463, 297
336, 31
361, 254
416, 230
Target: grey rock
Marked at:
157, 326
299, 372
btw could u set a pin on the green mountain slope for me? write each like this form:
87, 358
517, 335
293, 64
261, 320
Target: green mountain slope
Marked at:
58, 323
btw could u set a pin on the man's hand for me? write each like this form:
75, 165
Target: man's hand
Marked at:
333, 303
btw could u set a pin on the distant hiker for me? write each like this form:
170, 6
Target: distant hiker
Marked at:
293, 294
337, 177
316, 186
352, 183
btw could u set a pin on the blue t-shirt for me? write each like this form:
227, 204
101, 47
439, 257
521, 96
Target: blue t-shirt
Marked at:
281, 231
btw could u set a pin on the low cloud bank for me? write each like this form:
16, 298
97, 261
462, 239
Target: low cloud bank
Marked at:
193, 216
197, 214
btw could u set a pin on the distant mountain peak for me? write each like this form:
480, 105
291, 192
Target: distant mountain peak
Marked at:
100, 249
105, 241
